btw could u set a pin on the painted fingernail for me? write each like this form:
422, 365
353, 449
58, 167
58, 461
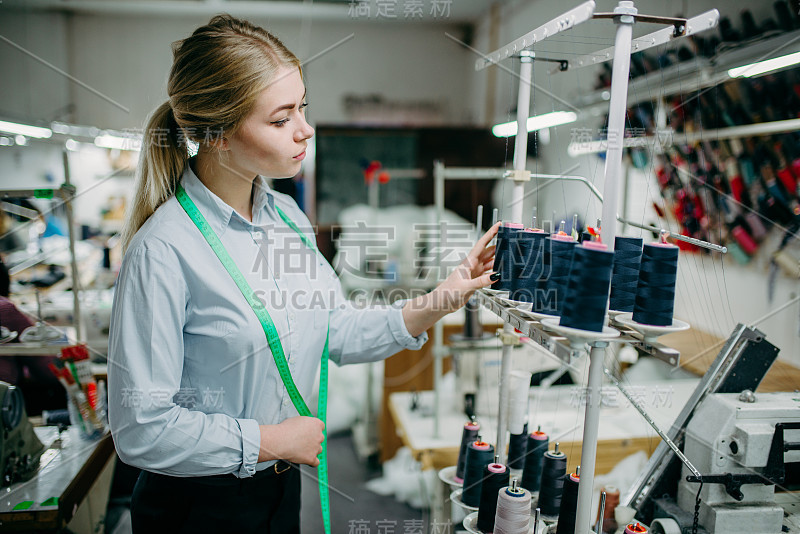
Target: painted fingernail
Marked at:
494, 277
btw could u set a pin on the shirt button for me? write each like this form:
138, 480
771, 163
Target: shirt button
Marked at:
285, 402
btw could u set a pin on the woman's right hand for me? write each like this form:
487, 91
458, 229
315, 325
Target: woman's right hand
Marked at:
297, 439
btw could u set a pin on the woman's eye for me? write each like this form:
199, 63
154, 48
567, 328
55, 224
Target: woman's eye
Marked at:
280, 122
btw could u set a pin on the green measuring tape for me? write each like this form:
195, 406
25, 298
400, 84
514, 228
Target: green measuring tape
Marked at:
273, 339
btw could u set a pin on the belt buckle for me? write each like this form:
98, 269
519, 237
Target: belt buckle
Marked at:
277, 467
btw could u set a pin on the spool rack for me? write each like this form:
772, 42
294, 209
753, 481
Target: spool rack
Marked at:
559, 345
625, 15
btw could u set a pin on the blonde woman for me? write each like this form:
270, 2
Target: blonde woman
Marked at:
206, 365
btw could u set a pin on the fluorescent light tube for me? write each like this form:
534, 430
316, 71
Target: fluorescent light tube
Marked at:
754, 69
120, 143
537, 122
24, 129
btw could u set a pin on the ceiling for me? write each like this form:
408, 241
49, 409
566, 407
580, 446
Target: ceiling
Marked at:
450, 11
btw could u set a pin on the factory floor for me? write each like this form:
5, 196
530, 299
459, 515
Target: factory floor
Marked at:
354, 508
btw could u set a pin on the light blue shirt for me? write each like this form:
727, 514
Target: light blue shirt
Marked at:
191, 376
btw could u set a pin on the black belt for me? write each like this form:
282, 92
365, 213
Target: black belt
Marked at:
279, 468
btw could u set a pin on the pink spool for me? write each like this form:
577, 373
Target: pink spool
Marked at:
635, 528
496, 468
745, 240
480, 445
594, 245
518, 226
562, 237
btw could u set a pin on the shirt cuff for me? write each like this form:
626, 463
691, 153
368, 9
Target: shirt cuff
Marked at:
398, 327
251, 444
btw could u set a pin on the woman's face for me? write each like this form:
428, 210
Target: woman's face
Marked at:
272, 139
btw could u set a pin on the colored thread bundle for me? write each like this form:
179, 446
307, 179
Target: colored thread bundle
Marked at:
625, 278
479, 454
528, 273
517, 446
587, 291
612, 501
538, 443
655, 294
506, 254
495, 478
468, 435
562, 249
513, 511
554, 467
569, 505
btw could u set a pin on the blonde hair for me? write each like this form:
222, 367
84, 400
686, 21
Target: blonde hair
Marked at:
217, 74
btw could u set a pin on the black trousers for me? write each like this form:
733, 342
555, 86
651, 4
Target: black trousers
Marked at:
267, 503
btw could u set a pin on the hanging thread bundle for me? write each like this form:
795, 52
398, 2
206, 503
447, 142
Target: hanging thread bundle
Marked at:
495, 478
479, 454
538, 443
587, 290
528, 273
468, 435
513, 510
625, 278
517, 447
518, 400
554, 467
506, 254
569, 504
561, 249
655, 293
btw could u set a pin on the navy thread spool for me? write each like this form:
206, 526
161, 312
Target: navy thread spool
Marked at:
561, 248
513, 510
655, 293
495, 478
569, 504
468, 435
625, 277
538, 443
528, 273
554, 467
517, 446
587, 291
479, 454
506, 253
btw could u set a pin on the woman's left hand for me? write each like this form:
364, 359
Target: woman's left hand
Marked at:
471, 274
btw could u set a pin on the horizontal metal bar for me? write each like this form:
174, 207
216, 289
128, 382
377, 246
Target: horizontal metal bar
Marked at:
654, 19
567, 20
702, 22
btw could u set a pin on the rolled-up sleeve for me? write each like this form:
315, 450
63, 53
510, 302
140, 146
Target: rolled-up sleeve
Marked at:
146, 355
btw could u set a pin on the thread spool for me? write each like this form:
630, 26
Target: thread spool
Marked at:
479, 454
612, 501
744, 239
495, 478
569, 504
468, 435
538, 443
529, 270
506, 253
554, 467
655, 293
518, 400
587, 290
635, 528
625, 275
517, 447
561, 249
513, 510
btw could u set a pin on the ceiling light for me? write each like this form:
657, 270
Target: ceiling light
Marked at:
25, 129
760, 67
537, 122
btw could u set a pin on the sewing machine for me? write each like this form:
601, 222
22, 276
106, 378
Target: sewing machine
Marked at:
20, 449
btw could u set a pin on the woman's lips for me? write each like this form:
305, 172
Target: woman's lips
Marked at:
300, 157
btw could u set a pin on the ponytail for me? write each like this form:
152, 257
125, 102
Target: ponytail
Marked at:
161, 164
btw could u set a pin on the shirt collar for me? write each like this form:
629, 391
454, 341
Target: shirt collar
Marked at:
218, 214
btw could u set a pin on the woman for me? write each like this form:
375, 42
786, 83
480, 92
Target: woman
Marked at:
196, 393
